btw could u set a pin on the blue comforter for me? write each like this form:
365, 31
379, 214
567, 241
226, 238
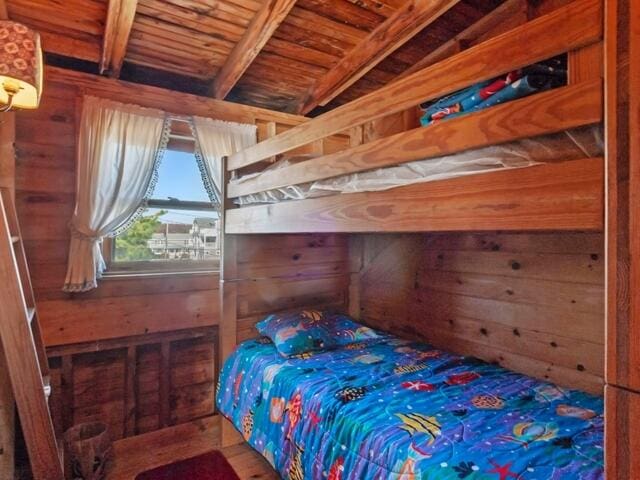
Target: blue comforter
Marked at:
393, 409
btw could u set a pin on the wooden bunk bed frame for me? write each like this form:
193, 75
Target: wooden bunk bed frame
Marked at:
558, 196
555, 196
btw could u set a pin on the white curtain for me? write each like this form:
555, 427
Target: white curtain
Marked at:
216, 139
119, 148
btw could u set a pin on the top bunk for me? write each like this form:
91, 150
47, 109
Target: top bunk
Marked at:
558, 184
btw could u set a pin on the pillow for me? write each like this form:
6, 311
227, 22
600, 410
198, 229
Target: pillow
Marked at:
305, 331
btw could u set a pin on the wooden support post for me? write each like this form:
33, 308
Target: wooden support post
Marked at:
267, 130
586, 63
7, 405
228, 298
622, 374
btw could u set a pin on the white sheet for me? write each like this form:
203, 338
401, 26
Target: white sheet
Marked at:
568, 145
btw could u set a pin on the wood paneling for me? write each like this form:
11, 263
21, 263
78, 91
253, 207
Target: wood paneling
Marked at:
45, 184
72, 28
623, 100
532, 302
283, 272
318, 34
7, 421
7, 405
622, 439
119, 381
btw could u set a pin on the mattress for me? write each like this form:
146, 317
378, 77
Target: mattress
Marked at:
393, 409
563, 146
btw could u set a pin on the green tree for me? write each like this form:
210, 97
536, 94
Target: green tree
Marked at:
132, 245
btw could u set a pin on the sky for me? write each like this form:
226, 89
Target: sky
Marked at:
179, 177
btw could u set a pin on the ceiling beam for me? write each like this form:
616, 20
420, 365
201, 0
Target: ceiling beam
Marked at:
394, 32
262, 26
510, 14
120, 15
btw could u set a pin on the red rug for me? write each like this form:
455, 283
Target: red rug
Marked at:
209, 466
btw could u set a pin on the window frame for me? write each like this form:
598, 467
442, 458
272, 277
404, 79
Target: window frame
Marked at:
181, 140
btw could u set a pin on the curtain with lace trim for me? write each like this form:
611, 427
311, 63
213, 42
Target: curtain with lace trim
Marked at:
216, 139
119, 150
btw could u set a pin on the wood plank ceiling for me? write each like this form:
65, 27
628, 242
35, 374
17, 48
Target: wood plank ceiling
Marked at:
288, 55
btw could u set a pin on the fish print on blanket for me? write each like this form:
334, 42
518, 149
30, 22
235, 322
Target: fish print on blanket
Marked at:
397, 410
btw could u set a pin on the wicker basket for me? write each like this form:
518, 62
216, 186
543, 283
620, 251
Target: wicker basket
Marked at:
87, 451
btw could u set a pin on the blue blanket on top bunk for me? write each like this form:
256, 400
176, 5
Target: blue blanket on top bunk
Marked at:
392, 409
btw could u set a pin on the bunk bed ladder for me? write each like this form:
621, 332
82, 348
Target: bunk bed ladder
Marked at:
24, 350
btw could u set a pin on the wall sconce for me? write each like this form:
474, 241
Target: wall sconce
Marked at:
20, 67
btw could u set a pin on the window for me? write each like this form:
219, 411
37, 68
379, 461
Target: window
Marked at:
180, 229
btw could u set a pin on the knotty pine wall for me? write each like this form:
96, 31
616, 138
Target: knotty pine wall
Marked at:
532, 302
283, 272
131, 353
45, 190
7, 405
45, 196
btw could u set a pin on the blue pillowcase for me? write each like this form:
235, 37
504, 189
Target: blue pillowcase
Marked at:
303, 331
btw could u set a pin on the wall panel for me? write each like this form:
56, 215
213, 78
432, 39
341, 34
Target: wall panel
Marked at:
531, 302
135, 384
283, 272
45, 190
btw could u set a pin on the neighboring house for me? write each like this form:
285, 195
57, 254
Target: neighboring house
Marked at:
198, 241
205, 237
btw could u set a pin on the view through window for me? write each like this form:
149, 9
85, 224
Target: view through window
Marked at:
181, 226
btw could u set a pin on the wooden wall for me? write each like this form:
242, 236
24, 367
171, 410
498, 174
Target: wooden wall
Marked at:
152, 377
7, 406
622, 96
282, 272
45, 185
531, 302
45, 194
136, 384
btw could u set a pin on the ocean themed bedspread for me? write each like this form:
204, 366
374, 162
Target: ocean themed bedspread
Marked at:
392, 409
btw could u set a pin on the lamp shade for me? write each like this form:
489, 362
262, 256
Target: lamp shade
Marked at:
20, 65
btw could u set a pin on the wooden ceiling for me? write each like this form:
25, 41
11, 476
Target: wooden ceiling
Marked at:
297, 56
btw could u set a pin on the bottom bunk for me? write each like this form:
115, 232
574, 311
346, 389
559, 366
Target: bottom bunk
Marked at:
390, 408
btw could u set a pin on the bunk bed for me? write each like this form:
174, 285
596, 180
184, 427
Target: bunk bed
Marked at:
563, 194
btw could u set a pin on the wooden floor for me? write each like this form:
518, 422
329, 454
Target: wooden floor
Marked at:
137, 454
